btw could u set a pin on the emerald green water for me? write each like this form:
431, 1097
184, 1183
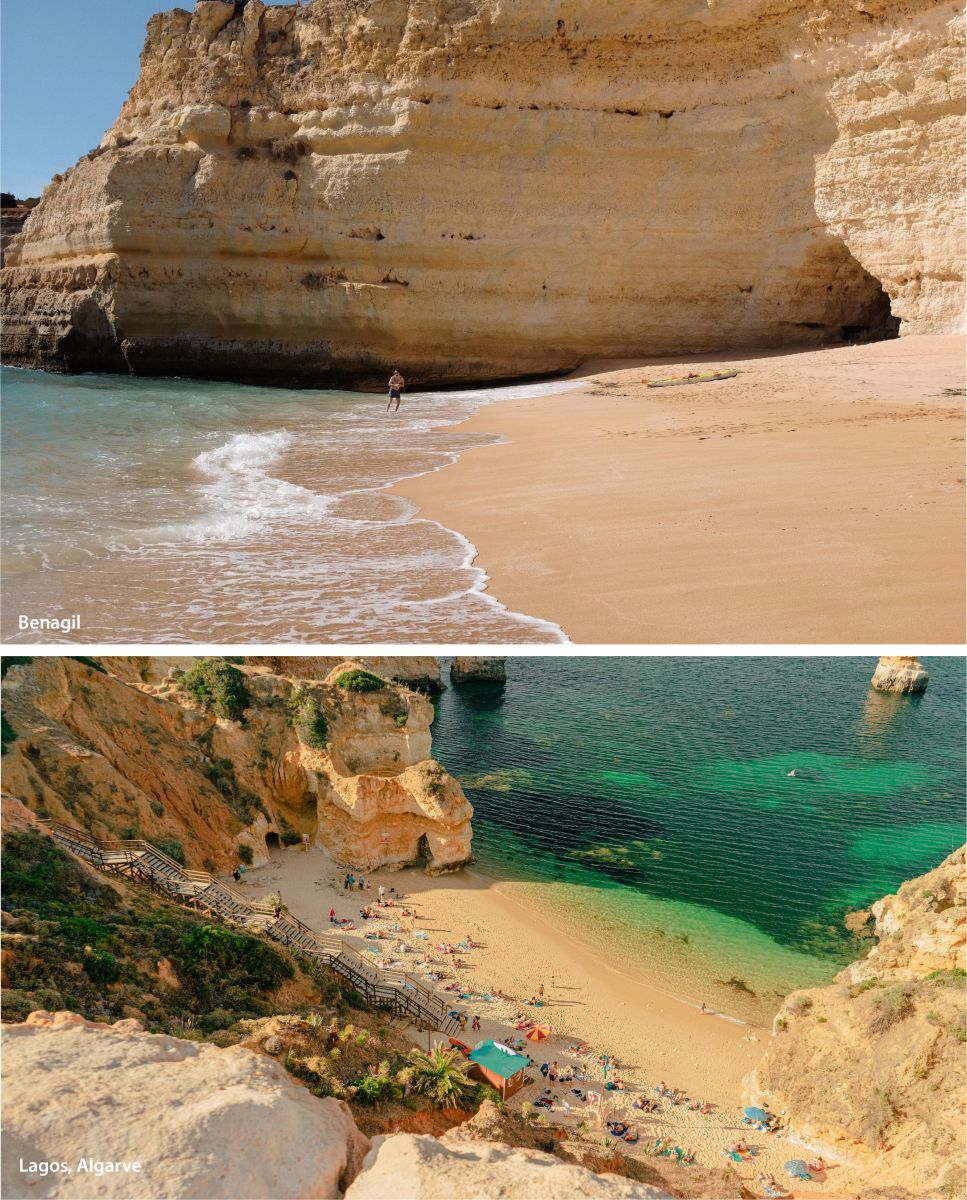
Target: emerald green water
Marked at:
648, 806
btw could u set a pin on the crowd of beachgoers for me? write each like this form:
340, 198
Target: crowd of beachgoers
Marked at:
568, 1082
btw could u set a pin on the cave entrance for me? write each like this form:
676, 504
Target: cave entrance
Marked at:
272, 841
876, 322
835, 299
423, 849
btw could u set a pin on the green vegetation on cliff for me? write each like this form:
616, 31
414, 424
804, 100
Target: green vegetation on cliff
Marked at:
307, 720
360, 681
219, 686
75, 941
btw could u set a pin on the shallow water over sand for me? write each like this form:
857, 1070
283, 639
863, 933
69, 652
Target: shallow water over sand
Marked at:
178, 510
709, 821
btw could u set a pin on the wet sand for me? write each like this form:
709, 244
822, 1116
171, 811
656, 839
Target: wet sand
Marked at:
652, 1034
816, 497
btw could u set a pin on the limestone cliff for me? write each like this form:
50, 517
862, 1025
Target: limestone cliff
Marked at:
897, 673
872, 1067
468, 189
125, 757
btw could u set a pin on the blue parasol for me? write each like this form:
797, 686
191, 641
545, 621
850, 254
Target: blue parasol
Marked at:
756, 1114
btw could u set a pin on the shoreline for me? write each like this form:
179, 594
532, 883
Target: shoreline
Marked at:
638, 979
308, 482
739, 500
652, 1034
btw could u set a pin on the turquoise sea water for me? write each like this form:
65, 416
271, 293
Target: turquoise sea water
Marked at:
180, 510
651, 805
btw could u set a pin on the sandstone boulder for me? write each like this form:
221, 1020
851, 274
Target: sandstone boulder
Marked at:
204, 1123
408, 1167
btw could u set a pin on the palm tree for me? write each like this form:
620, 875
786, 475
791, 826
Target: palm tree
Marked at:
438, 1074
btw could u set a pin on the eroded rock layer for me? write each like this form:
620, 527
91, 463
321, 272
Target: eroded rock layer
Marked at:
126, 754
469, 189
872, 1067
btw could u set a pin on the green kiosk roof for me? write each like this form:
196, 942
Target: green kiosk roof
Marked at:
503, 1062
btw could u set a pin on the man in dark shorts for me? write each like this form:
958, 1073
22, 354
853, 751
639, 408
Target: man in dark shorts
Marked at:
396, 384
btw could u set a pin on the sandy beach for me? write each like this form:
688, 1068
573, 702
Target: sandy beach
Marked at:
815, 497
651, 1035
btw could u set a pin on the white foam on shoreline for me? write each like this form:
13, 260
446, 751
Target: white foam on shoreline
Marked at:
274, 527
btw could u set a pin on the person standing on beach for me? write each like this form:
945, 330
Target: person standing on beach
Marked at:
305, 842
396, 385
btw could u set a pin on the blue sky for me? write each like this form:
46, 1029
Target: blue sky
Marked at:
67, 66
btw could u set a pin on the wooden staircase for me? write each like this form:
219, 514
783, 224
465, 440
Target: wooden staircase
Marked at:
404, 995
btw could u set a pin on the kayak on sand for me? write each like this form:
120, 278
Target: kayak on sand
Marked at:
691, 377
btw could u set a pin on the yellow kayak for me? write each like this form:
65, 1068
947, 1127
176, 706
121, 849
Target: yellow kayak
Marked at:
692, 377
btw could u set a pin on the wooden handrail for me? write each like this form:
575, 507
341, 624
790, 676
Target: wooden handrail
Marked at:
404, 993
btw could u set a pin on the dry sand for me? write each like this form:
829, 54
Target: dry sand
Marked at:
653, 1035
816, 497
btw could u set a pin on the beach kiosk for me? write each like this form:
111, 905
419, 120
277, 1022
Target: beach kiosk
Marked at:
498, 1065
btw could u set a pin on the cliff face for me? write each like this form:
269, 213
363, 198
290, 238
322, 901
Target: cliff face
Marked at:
469, 189
872, 1067
136, 758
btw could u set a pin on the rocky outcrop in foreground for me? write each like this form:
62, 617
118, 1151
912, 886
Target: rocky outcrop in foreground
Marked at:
128, 757
201, 1122
227, 1124
872, 1067
897, 673
316, 193
409, 1167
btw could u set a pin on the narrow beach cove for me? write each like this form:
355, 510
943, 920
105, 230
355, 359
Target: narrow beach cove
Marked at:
842, 794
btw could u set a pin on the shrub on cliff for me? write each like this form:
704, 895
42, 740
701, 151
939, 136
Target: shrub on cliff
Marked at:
307, 720
219, 687
215, 959
172, 847
8, 735
395, 706
93, 950
360, 681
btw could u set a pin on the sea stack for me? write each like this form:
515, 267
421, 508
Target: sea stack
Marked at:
900, 673
489, 669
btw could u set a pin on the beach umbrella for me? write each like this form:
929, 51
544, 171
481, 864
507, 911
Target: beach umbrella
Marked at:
756, 1114
537, 1033
796, 1166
